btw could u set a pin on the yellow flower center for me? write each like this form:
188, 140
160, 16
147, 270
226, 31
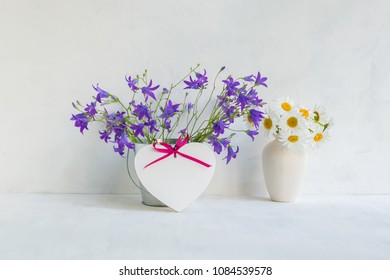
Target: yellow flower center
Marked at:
267, 123
318, 137
293, 138
305, 113
292, 122
286, 106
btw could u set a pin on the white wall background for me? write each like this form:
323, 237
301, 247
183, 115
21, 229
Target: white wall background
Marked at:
330, 52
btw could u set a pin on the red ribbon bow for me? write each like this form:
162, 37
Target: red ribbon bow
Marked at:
169, 150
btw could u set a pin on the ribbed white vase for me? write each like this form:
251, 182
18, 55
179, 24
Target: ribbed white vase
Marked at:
284, 171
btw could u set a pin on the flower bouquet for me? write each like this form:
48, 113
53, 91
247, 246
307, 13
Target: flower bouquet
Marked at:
189, 111
296, 126
295, 129
152, 115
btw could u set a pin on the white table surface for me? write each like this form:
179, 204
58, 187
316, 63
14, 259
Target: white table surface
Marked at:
71, 226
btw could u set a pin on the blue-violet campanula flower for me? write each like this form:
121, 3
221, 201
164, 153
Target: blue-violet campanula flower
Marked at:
101, 93
148, 91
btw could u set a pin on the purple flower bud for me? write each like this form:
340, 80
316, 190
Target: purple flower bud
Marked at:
249, 78
190, 106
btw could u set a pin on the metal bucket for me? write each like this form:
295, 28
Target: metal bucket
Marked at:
147, 198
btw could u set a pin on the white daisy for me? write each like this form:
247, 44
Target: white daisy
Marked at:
293, 139
282, 105
320, 115
292, 120
305, 112
267, 126
318, 136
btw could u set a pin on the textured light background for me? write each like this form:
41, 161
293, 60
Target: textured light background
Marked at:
330, 52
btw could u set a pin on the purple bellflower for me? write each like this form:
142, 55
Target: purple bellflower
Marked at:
260, 80
202, 79
217, 146
254, 99
142, 111
252, 134
225, 142
138, 129
198, 83
116, 123
231, 86
219, 127
242, 100
105, 135
167, 125
81, 120
101, 93
148, 91
132, 83
231, 154
152, 126
123, 142
230, 113
170, 109
91, 109
255, 117
249, 78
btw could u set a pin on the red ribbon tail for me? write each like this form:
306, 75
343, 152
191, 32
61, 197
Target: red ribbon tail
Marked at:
194, 159
157, 160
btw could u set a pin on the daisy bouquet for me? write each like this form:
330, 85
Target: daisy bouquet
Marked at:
296, 126
189, 108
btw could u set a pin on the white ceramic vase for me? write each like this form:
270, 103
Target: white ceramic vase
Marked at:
284, 171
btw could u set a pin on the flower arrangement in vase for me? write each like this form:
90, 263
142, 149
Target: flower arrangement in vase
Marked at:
188, 110
295, 130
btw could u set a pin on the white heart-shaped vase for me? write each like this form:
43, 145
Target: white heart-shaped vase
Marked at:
176, 181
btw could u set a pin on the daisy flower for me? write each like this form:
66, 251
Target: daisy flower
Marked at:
267, 126
305, 112
292, 120
318, 136
320, 115
282, 105
295, 139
